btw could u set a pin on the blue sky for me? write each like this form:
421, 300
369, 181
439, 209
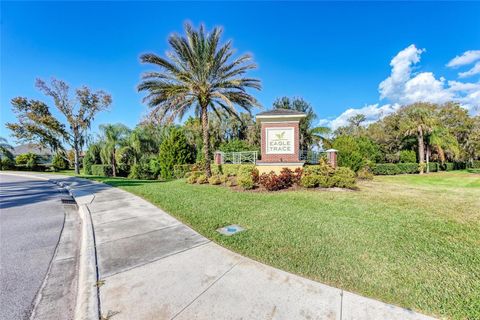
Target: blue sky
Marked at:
334, 55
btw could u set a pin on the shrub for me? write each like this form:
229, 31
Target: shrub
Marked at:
192, 176
125, 158
174, 150
395, 168
270, 181
231, 170
223, 178
297, 176
235, 145
386, 169
309, 181
6, 163
155, 167
343, 178
59, 163
103, 170
409, 167
192, 179
475, 164
433, 167
29, 160
365, 174
202, 179
355, 152
181, 170
214, 180
449, 166
408, 156
245, 181
232, 182
247, 176
286, 178
92, 156
88, 161
317, 175
141, 170
325, 181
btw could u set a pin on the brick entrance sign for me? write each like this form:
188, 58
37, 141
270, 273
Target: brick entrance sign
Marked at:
280, 140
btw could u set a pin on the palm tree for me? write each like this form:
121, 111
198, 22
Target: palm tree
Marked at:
319, 136
198, 73
115, 136
441, 141
418, 121
5, 149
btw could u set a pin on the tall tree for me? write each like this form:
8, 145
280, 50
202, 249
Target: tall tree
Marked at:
115, 136
198, 73
458, 123
418, 120
37, 123
310, 135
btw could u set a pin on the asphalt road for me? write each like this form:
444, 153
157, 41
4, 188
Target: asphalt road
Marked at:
31, 220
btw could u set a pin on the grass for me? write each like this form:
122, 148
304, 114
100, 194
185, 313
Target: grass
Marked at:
408, 240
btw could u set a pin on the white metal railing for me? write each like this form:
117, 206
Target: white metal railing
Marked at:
239, 157
312, 157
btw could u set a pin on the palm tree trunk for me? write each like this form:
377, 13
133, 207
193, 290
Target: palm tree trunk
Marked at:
114, 167
206, 141
421, 149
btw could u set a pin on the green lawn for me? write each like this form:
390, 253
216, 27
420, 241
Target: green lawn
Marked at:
409, 240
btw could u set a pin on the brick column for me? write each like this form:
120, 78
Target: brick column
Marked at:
332, 157
218, 157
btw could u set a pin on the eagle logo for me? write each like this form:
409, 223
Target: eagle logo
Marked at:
280, 135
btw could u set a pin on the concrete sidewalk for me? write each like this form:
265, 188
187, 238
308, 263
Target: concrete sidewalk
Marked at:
151, 266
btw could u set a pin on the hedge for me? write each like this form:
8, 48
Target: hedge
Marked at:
394, 168
104, 170
433, 167
409, 168
180, 170
37, 167
475, 164
385, 169
231, 169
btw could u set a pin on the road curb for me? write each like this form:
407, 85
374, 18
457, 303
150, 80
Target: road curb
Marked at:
87, 306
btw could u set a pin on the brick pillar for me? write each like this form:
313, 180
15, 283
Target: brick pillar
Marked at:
332, 157
218, 157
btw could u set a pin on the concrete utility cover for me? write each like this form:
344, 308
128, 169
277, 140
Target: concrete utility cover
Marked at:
230, 230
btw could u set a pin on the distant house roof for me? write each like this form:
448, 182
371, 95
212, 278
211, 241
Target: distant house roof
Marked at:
32, 147
281, 112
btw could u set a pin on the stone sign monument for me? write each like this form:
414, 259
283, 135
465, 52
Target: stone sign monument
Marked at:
280, 140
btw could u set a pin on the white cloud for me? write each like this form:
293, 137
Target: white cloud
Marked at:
463, 86
473, 71
372, 113
467, 57
403, 86
401, 64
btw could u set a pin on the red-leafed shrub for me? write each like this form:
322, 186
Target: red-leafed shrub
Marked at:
270, 181
286, 178
297, 175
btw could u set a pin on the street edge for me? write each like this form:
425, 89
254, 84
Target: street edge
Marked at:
87, 306
87, 298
